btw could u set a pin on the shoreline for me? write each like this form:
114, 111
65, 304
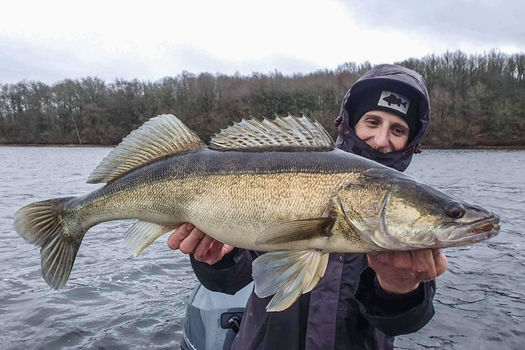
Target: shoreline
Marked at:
53, 145
423, 148
512, 147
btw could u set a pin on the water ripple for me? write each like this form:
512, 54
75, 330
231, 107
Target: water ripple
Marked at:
114, 301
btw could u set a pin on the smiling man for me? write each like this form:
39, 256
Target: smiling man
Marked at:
383, 117
362, 301
383, 131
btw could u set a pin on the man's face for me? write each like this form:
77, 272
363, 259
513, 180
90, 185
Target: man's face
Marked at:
383, 131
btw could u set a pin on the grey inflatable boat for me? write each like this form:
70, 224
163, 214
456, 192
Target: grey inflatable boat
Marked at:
213, 319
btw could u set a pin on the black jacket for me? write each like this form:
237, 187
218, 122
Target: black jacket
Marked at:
347, 309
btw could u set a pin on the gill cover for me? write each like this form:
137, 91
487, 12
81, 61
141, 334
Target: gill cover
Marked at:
367, 203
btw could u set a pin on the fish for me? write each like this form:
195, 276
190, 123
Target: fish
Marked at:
279, 186
393, 100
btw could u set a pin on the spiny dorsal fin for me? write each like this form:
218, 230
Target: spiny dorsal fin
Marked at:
284, 134
158, 137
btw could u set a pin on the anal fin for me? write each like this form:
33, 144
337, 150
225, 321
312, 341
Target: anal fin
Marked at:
143, 233
287, 274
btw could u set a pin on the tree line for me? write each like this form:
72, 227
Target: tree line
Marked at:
476, 101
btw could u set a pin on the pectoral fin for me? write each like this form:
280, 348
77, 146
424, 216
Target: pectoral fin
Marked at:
287, 274
142, 234
298, 230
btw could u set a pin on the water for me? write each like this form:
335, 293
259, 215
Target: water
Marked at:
480, 303
115, 301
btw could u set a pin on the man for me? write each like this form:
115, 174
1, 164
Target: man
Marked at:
362, 301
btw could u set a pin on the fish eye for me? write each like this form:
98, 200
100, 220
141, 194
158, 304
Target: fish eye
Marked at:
455, 210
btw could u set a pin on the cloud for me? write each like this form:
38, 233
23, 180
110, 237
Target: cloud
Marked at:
52, 42
194, 59
51, 63
26, 60
485, 23
132, 39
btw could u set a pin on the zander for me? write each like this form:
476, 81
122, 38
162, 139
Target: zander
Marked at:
278, 185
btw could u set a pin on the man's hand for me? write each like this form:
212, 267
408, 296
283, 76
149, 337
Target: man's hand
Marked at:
190, 240
401, 271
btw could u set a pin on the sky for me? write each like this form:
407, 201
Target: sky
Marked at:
53, 40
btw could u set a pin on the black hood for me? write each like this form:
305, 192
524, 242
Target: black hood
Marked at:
389, 76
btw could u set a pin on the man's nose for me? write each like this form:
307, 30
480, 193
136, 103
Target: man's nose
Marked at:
381, 138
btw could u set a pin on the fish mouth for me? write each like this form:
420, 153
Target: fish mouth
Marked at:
475, 231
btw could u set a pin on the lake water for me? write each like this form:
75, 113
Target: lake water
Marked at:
115, 301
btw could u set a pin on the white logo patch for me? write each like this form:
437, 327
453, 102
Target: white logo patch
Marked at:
395, 101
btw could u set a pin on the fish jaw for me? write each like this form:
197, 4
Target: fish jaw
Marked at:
477, 231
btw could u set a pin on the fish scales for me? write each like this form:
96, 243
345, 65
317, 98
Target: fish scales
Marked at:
208, 188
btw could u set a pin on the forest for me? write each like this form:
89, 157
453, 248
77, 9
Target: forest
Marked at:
477, 101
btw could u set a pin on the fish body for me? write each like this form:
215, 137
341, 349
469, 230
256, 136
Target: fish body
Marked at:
233, 196
277, 186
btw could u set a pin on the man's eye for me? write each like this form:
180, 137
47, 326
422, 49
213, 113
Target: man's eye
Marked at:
399, 131
372, 122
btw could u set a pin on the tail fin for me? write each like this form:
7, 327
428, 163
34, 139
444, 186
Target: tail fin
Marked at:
44, 224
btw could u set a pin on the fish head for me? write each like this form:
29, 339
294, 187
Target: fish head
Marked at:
390, 211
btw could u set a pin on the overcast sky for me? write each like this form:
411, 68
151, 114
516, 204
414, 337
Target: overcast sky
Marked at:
53, 40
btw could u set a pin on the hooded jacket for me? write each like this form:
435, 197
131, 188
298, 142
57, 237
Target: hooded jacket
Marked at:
347, 309
387, 76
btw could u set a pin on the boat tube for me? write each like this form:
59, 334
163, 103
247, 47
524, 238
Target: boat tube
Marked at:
213, 319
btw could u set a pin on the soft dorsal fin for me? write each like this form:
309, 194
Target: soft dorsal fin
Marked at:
158, 137
284, 134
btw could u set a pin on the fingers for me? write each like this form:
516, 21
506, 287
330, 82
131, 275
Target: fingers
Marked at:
393, 271
428, 264
380, 258
402, 260
402, 271
441, 261
179, 235
392, 259
202, 250
216, 248
423, 264
190, 243
190, 240
211, 251
423, 261
226, 249
185, 238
